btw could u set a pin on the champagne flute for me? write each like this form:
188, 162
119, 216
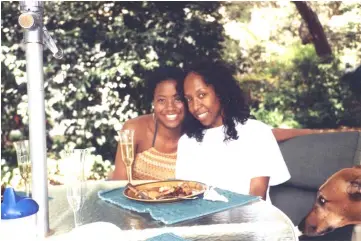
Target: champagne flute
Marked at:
24, 163
126, 140
75, 181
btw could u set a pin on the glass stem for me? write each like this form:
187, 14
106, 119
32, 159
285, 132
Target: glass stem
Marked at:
129, 174
75, 219
27, 188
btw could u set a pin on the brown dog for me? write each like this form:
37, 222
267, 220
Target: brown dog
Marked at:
338, 203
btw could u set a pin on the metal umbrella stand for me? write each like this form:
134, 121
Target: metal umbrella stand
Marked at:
35, 35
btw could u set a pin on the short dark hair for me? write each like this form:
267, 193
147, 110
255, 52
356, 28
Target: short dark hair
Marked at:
231, 97
161, 74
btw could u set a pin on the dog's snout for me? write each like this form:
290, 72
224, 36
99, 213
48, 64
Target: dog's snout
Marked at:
307, 228
329, 229
312, 228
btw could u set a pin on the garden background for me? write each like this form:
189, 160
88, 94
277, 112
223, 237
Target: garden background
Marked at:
292, 80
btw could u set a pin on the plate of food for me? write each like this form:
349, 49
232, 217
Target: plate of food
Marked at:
165, 191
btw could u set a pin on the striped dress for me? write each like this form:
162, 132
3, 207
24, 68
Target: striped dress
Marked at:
154, 165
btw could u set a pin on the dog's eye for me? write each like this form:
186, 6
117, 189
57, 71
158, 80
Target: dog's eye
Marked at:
321, 200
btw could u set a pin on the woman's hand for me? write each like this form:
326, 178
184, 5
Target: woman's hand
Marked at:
119, 172
259, 186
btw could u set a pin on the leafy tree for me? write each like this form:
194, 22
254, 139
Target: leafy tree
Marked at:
108, 49
314, 92
288, 83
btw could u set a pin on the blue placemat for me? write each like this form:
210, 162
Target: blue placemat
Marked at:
174, 212
166, 237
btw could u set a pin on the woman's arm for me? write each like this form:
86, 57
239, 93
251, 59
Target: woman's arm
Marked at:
259, 186
120, 172
267, 167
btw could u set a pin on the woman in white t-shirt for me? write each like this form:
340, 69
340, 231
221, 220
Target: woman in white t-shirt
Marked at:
221, 146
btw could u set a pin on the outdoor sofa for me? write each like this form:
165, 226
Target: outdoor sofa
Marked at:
311, 159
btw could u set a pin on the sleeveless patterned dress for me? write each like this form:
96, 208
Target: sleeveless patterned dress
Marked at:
152, 164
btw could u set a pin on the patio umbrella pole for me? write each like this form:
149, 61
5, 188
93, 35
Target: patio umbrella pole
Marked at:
31, 20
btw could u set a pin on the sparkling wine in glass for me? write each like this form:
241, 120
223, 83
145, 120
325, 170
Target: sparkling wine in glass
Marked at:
75, 181
24, 163
126, 141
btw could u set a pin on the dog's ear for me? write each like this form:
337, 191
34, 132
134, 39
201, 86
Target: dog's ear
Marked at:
354, 189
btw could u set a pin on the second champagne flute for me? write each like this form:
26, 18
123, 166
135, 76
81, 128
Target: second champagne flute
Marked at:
24, 163
75, 181
126, 141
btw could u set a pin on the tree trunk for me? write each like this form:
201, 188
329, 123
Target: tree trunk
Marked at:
315, 28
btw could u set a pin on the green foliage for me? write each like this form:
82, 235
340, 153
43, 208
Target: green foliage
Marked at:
108, 49
309, 93
288, 84
275, 117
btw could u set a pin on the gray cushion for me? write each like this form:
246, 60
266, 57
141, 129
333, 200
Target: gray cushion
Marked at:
295, 202
311, 159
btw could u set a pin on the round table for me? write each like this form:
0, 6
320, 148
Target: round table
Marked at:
258, 220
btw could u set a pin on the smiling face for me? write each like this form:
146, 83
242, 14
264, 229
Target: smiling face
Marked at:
202, 101
168, 106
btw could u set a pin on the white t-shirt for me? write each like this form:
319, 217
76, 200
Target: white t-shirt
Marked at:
231, 165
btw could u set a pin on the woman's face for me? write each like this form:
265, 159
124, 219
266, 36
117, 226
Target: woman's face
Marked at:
168, 106
202, 100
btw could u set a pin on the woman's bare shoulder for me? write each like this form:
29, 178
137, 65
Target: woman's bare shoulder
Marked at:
140, 122
142, 126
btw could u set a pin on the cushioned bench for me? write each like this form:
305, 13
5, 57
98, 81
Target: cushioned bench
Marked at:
311, 159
